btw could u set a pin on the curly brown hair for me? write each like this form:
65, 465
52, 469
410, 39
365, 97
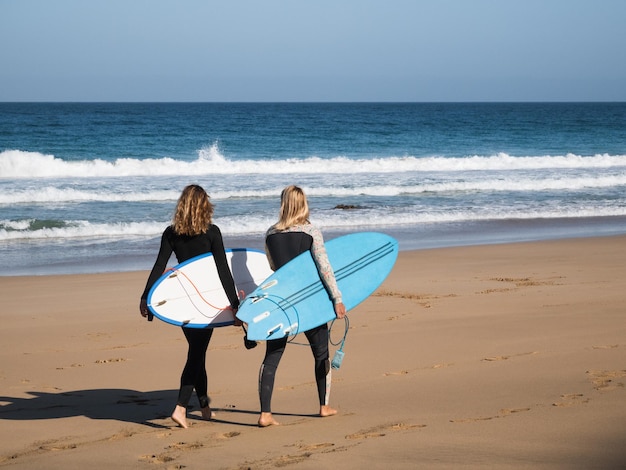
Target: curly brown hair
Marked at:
194, 211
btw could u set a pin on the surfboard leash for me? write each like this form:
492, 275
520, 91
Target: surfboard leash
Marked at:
283, 305
338, 357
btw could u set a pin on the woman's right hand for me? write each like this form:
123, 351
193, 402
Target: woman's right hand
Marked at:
340, 310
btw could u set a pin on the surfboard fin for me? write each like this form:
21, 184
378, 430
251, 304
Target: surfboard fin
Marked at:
291, 328
274, 330
257, 298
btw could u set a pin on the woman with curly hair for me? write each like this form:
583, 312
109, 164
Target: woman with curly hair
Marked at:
192, 233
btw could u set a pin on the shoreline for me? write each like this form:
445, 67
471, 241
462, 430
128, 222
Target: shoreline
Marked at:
97, 256
504, 356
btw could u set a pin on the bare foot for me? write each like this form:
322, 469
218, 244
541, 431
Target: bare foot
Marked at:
179, 416
266, 420
207, 413
326, 410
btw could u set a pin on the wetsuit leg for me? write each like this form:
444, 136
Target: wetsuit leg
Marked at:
194, 374
318, 339
273, 352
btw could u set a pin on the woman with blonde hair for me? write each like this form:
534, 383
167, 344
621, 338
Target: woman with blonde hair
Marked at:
292, 235
191, 234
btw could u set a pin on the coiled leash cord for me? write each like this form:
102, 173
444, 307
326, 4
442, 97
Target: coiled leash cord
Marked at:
338, 357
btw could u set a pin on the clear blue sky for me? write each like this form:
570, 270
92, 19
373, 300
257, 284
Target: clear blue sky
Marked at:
312, 50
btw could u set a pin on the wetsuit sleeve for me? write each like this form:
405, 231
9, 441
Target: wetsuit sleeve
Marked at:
226, 277
318, 251
165, 251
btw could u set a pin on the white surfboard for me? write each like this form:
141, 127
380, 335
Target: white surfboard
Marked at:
191, 294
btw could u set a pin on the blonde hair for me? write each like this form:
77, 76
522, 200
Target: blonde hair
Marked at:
294, 208
194, 211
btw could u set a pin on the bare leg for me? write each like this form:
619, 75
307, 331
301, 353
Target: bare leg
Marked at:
179, 416
326, 410
267, 419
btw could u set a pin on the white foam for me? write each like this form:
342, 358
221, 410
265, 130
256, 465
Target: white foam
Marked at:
257, 225
21, 230
53, 194
21, 164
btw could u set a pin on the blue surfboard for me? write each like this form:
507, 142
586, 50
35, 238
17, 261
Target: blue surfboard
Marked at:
293, 299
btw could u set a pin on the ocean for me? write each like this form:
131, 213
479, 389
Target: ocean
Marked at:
90, 187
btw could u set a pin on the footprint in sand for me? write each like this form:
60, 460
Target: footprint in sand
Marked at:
276, 462
571, 399
440, 365
171, 452
285, 460
110, 361
504, 412
527, 281
314, 447
399, 372
54, 444
122, 435
510, 411
505, 358
383, 430
422, 300
158, 458
495, 358
605, 380
493, 291
186, 445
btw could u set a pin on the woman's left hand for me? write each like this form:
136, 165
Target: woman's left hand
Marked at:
143, 308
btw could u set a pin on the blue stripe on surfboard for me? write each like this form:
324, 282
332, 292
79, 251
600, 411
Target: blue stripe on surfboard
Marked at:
284, 302
288, 306
342, 273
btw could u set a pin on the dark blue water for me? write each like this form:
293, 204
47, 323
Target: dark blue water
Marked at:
90, 187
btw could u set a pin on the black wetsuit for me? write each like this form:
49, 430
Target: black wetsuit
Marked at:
186, 247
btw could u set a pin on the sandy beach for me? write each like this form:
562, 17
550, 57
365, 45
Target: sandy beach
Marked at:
503, 356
